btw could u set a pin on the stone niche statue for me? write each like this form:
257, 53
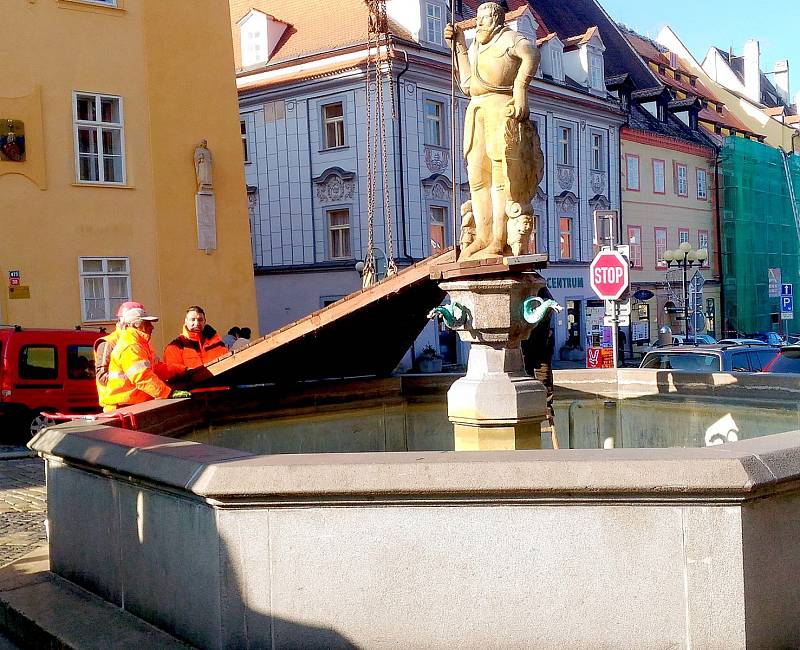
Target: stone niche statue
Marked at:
504, 156
202, 168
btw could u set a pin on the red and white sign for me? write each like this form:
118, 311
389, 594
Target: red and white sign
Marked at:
599, 358
609, 275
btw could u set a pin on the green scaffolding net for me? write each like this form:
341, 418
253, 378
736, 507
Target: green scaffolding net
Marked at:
760, 231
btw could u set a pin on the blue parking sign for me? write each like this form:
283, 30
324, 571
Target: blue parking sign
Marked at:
787, 305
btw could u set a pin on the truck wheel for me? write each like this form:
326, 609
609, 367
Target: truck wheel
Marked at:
39, 422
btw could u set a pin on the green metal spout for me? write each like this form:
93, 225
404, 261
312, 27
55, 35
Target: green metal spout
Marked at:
534, 309
453, 315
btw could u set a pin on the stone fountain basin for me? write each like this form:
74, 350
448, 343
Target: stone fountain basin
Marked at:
635, 548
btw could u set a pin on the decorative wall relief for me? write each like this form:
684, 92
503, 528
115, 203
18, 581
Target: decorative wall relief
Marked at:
204, 199
436, 160
565, 176
599, 202
597, 181
335, 185
437, 187
22, 139
566, 202
12, 140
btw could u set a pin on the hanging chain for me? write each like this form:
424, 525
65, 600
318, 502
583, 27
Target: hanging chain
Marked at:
378, 39
368, 275
385, 40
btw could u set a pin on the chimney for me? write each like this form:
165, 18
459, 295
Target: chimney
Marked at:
752, 70
781, 80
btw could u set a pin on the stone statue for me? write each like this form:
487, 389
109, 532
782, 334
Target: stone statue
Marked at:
202, 168
503, 152
467, 225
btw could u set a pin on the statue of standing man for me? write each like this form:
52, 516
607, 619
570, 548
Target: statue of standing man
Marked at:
501, 146
202, 168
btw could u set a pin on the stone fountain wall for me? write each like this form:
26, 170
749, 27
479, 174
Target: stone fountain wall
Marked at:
633, 548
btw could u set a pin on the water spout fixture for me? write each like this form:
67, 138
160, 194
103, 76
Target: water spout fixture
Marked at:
453, 315
534, 309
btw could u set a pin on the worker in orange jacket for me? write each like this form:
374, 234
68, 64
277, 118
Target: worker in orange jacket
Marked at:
198, 344
132, 378
104, 346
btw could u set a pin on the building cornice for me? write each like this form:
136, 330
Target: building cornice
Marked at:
664, 142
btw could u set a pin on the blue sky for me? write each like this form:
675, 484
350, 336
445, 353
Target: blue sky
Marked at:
701, 24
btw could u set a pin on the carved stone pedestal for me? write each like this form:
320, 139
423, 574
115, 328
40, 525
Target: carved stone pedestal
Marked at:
496, 405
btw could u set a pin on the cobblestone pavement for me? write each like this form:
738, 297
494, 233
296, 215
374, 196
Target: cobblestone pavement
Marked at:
23, 506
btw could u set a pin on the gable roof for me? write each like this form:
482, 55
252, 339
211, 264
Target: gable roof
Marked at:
658, 55
309, 29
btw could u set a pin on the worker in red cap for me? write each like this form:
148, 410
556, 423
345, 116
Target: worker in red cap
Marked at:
132, 377
104, 346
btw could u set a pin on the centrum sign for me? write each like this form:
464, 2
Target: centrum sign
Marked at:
609, 275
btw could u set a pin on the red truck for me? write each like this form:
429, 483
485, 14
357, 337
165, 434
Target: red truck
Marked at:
49, 370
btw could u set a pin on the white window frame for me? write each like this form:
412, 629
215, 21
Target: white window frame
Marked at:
598, 147
596, 79
682, 186
659, 179
441, 209
702, 243
110, 310
434, 27
338, 121
339, 228
556, 63
660, 244
702, 186
99, 126
633, 173
564, 145
439, 120
635, 243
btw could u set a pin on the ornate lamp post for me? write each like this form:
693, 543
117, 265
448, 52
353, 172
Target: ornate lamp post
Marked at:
685, 257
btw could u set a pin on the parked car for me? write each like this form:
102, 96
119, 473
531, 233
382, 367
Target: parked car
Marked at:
741, 342
48, 370
771, 338
680, 339
710, 358
787, 360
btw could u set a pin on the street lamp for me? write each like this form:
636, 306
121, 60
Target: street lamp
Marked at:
686, 257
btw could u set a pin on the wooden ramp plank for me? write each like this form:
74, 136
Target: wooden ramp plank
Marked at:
365, 333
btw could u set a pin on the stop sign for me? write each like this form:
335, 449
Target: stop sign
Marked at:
609, 275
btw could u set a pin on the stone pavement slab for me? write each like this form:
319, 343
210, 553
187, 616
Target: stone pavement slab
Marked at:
40, 610
23, 506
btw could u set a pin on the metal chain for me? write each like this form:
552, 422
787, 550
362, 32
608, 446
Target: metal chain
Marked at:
368, 275
391, 268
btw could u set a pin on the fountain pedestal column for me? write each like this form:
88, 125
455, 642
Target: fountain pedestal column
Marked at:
496, 405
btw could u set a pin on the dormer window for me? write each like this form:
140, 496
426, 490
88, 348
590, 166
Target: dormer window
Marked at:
253, 30
433, 23
259, 33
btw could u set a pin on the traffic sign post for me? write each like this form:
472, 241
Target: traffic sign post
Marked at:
609, 277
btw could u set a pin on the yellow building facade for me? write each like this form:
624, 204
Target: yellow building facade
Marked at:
107, 101
667, 198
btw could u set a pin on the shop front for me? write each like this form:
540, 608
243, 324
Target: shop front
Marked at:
582, 316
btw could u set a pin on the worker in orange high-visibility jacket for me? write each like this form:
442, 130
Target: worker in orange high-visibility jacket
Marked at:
104, 346
132, 378
198, 344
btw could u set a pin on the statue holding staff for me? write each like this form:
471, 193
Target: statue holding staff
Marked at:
501, 146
